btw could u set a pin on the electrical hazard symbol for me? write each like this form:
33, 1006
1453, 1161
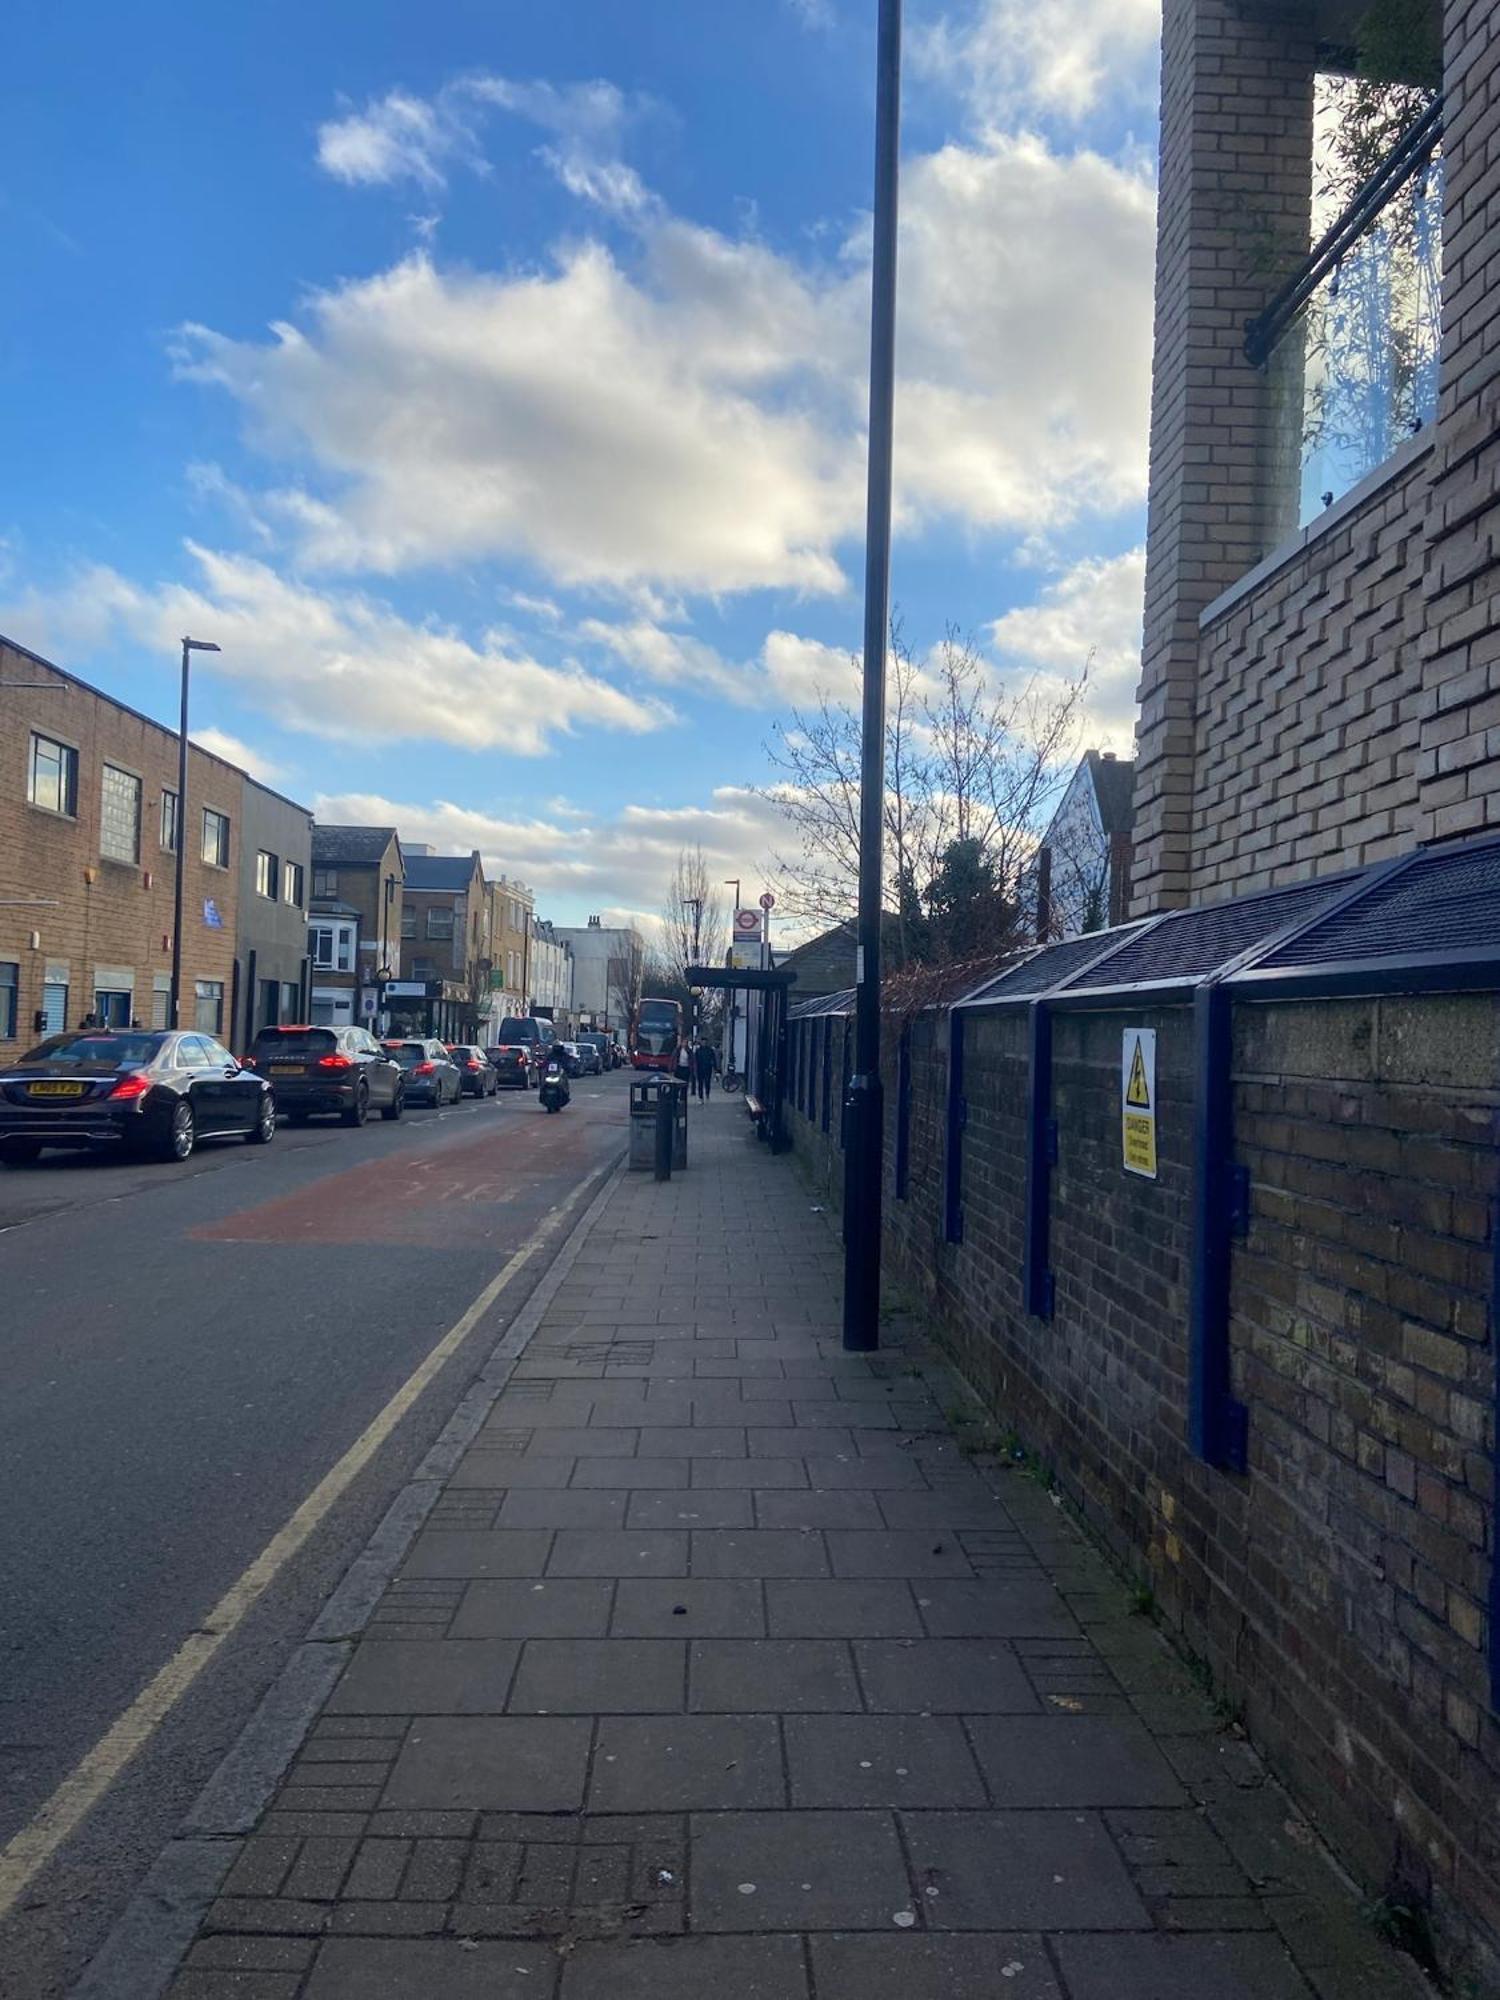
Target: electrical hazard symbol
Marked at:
1138, 1101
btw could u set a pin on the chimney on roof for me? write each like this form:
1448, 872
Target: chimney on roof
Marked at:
418, 846
1107, 756
594, 923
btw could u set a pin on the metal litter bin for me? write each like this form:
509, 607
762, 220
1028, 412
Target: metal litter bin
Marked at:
644, 1093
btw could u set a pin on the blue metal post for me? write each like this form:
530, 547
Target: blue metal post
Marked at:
1216, 1422
1041, 1146
958, 1116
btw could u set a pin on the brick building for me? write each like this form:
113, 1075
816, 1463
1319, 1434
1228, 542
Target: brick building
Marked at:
445, 945
1321, 669
88, 822
354, 922
511, 909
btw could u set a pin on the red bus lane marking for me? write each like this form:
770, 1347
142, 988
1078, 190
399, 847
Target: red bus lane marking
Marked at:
429, 1200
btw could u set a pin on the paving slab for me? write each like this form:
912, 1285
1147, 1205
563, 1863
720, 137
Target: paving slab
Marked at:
600, 1677
634, 1474
623, 1552
1021, 1870
1179, 1968
759, 1552
562, 1508
1073, 1760
955, 1610
935, 1968
943, 1676
422, 1968
689, 1608
797, 1871
881, 1760
495, 1763
462, 1552
426, 1677
704, 1968
779, 1676
796, 1509
554, 1608
692, 1509
841, 1609
687, 1763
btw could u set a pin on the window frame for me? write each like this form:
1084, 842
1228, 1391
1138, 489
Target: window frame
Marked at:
9, 1026
325, 883
293, 873
436, 912
268, 874
67, 774
169, 792
341, 944
220, 857
199, 996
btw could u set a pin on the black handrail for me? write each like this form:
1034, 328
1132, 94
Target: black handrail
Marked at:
1405, 160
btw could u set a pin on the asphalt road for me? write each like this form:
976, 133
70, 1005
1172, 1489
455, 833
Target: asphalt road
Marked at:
186, 1351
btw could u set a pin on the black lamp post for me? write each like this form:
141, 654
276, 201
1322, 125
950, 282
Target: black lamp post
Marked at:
864, 1136
189, 647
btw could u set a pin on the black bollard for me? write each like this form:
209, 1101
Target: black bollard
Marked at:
665, 1120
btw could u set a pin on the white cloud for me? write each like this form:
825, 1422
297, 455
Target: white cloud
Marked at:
219, 743
623, 863
689, 420
801, 671
1014, 60
395, 138
1093, 608
343, 665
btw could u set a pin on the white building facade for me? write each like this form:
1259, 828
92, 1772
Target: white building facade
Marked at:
607, 966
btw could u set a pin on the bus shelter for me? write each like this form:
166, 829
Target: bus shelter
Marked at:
765, 1085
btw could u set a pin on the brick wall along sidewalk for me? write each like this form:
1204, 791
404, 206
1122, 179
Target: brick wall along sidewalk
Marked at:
721, 1668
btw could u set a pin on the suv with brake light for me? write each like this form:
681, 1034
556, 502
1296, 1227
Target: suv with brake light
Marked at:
317, 1069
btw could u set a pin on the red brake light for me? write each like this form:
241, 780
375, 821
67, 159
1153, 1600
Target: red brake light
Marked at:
248, 1063
475, 1065
335, 1062
424, 1069
132, 1086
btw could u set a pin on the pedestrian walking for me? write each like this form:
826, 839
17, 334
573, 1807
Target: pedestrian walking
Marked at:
684, 1065
705, 1061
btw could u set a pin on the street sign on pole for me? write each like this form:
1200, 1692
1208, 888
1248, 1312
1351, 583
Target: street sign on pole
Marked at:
768, 901
747, 926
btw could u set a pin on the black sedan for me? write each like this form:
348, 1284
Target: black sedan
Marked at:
476, 1075
147, 1090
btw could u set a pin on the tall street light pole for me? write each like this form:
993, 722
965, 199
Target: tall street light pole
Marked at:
189, 647
695, 904
732, 882
865, 1132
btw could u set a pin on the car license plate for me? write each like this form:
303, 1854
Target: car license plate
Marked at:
286, 1069
54, 1090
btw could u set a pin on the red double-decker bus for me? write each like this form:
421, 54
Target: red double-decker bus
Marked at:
656, 1034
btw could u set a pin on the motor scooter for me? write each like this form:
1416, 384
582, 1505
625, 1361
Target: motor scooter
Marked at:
554, 1091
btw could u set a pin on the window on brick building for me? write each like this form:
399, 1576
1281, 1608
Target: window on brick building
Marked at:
215, 838
52, 776
268, 875
208, 1006
408, 923
169, 821
325, 882
439, 923
119, 815
332, 947
10, 988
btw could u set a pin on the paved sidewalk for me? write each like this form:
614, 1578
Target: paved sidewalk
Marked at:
720, 1672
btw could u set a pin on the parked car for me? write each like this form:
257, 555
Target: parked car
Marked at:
432, 1076
567, 1054
148, 1090
590, 1055
340, 1070
528, 1031
475, 1074
512, 1065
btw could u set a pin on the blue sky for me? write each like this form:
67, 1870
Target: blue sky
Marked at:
488, 379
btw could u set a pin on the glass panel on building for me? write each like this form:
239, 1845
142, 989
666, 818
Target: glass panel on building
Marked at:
292, 883
268, 876
169, 821
112, 1006
52, 776
10, 987
120, 815
208, 1006
215, 838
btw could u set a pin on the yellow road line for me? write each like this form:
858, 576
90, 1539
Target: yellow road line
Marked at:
34, 1846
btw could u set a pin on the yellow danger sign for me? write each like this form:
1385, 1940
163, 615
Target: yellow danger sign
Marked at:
1138, 1101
